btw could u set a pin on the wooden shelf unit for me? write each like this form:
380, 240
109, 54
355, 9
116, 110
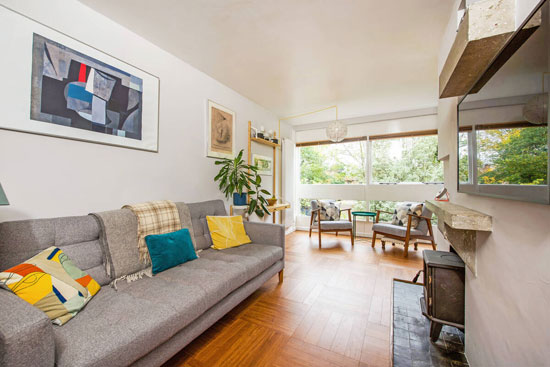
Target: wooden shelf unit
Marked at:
265, 142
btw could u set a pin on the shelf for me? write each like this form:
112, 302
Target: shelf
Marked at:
265, 142
460, 217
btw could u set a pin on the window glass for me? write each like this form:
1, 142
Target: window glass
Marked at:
463, 157
406, 160
342, 163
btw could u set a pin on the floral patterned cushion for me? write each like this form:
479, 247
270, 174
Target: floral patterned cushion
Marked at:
329, 210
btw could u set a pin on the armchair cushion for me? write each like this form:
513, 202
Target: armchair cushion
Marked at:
329, 209
402, 211
336, 224
395, 230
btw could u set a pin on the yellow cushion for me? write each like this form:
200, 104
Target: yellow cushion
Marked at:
227, 232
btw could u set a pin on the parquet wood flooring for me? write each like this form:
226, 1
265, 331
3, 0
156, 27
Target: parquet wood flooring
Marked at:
333, 309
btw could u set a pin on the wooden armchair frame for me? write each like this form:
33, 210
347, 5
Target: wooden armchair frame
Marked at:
408, 235
321, 230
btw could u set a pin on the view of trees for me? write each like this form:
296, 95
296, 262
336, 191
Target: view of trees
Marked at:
342, 163
412, 159
513, 156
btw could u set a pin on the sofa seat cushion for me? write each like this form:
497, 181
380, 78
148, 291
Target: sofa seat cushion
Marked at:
336, 224
395, 230
254, 257
114, 329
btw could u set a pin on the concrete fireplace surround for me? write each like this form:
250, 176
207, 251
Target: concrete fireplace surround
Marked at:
459, 225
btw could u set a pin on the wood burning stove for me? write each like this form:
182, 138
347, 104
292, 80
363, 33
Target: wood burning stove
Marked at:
443, 301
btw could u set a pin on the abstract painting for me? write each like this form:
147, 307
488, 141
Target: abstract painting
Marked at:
264, 164
59, 86
221, 131
74, 90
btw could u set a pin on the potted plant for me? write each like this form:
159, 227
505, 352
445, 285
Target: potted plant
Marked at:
235, 176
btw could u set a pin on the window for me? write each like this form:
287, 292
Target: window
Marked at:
406, 160
463, 157
512, 156
354, 205
342, 163
387, 206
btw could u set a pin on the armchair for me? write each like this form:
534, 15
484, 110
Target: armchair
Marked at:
329, 225
423, 231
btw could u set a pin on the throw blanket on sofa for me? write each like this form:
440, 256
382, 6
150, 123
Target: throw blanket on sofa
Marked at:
119, 239
154, 217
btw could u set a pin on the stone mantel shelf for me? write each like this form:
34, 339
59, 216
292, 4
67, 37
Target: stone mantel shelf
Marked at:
460, 225
460, 217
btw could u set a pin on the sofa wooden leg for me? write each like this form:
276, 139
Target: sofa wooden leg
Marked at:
281, 276
406, 249
319, 238
310, 232
352, 239
373, 238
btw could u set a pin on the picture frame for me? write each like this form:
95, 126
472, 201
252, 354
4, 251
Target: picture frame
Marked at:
253, 132
220, 131
68, 89
264, 164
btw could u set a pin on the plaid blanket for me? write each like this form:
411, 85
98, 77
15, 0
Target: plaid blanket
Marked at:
154, 217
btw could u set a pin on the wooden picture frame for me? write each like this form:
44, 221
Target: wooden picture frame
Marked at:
264, 164
220, 131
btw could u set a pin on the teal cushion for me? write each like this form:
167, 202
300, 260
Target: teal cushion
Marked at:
170, 249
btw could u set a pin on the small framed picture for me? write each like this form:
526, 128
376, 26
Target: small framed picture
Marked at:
221, 131
264, 164
253, 132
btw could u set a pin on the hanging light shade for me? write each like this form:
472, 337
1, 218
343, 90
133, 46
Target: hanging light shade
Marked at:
337, 131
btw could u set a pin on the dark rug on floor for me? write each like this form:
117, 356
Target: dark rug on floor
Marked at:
411, 329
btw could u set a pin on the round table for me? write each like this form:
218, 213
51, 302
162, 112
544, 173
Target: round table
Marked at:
361, 214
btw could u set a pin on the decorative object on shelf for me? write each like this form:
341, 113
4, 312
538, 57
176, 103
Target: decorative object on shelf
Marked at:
274, 139
442, 195
272, 201
3, 197
75, 90
221, 131
253, 132
235, 176
264, 164
337, 131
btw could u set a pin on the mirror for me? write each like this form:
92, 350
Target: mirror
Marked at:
503, 128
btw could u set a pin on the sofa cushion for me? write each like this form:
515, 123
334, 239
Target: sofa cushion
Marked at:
401, 214
227, 232
170, 249
394, 229
77, 237
198, 212
114, 329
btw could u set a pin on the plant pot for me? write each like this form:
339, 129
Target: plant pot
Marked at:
239, 200
272, 201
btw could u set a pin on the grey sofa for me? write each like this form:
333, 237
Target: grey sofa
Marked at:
145, 322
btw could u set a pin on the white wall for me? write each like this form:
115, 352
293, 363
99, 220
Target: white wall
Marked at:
507, 319
47, 177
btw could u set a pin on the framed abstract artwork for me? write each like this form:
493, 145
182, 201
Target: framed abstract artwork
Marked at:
221, 131
264, 164
61, 87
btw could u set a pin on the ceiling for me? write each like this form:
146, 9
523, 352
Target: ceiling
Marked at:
294, 56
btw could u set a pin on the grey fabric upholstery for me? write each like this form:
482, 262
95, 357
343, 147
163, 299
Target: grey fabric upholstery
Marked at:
145, 322
113, 329
26, 333
394, 229
78, 237
199, 211
165, 351
266, 233
161, 305
185, 219
423, 224
335, 224
119, 241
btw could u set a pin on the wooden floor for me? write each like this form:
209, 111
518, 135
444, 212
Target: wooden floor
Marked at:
333, 309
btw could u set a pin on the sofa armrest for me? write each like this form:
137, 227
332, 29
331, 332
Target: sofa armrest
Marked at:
266, 233
26, 333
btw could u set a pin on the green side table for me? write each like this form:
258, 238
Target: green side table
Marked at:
361, 214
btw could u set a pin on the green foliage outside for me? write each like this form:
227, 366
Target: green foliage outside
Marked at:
342, 163
513, 156
411, 159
